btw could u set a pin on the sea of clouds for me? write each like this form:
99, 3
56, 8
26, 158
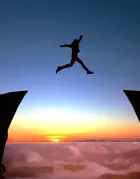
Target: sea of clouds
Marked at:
80, 160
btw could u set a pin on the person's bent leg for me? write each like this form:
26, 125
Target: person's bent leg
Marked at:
84, 66
65, 66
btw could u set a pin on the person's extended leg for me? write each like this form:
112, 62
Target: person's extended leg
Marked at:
84, 66
65, 66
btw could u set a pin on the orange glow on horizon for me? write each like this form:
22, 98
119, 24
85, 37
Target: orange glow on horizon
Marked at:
100, 135
47, 125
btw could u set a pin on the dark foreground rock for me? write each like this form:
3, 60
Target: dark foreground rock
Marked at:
9, 103
134, 98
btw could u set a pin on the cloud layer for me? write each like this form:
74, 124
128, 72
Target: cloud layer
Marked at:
85, 160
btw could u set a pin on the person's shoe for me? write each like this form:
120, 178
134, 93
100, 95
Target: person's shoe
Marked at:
89, 72
58, 69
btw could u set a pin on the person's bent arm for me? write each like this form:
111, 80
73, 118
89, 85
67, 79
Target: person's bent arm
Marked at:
66, 45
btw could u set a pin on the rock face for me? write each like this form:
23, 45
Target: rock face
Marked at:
9, 103
134, 98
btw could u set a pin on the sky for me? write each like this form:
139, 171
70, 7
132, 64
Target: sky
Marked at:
71, 104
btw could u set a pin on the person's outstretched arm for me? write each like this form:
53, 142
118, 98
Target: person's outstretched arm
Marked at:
66, 45
80, 38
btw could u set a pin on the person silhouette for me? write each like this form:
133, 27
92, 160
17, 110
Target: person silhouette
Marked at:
75, 50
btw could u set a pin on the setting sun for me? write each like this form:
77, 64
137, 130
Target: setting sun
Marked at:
55, 138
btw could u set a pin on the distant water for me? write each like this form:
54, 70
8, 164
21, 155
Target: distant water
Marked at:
74, 160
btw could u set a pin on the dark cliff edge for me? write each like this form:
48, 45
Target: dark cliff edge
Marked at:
134, 98
9, 103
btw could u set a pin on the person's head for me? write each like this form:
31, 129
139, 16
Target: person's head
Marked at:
74, 41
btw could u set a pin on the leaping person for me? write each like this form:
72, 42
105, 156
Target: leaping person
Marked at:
75, 50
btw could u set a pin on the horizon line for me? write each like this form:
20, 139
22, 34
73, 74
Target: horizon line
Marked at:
88, 140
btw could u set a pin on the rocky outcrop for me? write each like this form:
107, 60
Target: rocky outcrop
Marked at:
134, 98
9, 103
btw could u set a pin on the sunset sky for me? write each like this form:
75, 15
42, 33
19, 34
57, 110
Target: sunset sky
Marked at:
71, 104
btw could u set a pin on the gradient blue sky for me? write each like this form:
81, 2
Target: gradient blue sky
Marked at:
31, 32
